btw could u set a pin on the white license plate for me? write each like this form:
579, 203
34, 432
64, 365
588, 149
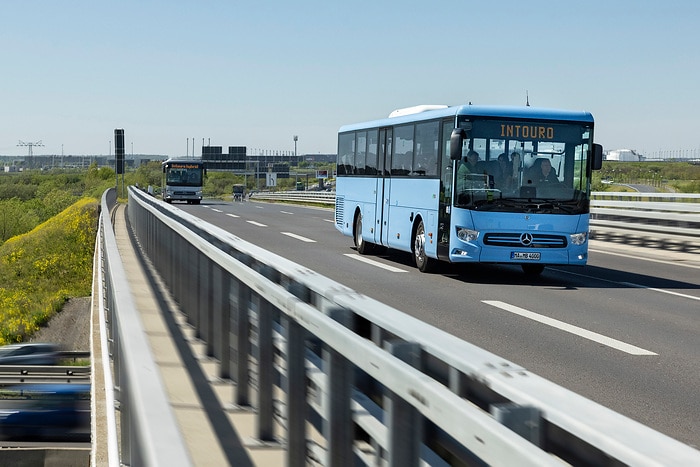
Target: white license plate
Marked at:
527, 256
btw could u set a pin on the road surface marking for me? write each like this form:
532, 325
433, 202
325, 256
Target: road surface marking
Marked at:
216, 210
653, 260
374, 263
286, 212
677, 294
232, 215
601, 339
256, 223
631, 284
298, 237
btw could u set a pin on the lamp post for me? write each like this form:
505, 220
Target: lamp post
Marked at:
296, 138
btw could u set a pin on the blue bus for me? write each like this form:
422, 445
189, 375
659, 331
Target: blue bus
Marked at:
469, 183
183, 180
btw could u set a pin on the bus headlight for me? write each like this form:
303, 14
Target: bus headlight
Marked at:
467, 235
578, 238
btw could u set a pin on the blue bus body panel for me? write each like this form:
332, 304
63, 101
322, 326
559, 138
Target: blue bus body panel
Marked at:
362, 197
404, 201
504, 231
411, 199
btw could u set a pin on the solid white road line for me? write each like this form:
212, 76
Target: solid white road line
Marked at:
615, 344
675, 263
630, 284
298, 237
677, 294
374, 263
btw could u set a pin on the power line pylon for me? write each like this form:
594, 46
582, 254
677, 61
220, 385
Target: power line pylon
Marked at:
30, 145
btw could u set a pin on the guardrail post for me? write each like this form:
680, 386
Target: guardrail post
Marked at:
296, 394
338, 425
240, 301
403, 421
525, 421
222, 324
204, 306
266, 370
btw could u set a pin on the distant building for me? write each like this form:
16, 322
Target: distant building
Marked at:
624, 155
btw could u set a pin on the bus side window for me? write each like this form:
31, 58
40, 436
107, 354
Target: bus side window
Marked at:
360, 153
402, 160
346, 153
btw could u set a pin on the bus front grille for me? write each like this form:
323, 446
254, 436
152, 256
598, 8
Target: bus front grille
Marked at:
528, 240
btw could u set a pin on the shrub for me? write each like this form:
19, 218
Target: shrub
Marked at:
41, 269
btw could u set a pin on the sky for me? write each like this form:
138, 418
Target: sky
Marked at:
257, 73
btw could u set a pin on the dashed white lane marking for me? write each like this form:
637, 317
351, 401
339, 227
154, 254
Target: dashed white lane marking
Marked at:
216, 210
256, 223
595, 337
232, 215
286, 212
374, 263
298, 237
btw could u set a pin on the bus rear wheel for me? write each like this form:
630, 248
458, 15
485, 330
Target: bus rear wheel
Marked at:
423, 263
363, 247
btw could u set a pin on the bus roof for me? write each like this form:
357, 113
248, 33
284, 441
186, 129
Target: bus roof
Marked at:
491, 111
183, 161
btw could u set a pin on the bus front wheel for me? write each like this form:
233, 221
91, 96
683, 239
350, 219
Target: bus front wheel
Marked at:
363, 247
423, 263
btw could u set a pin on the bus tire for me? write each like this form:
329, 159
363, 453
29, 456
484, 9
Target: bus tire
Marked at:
363, 246
532, 269
423, 263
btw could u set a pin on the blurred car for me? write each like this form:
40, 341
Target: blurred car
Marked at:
30, 353
45, 411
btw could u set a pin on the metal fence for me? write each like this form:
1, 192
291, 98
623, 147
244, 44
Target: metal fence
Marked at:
668, 220
361, 382
149, 432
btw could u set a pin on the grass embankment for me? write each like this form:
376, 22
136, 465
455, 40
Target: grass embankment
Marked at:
41, 269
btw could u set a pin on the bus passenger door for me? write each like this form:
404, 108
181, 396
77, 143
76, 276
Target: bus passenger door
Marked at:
383, 186
447, 170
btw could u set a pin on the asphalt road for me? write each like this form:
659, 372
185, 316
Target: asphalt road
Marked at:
622, 331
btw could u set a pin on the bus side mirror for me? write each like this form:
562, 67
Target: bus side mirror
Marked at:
456, 141
597, 160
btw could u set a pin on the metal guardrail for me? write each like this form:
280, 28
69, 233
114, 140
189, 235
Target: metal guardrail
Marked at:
149, 431
671, 220
24, 374
381, 385
318, 197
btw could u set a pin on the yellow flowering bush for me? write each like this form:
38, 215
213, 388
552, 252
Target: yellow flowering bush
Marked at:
41, 269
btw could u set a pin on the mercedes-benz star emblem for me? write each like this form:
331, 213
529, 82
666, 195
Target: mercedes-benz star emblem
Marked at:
526, 239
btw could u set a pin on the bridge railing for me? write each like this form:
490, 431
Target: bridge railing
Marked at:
361, 381
148, 428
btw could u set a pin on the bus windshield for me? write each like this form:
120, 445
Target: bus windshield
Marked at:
183, 174
523, 166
